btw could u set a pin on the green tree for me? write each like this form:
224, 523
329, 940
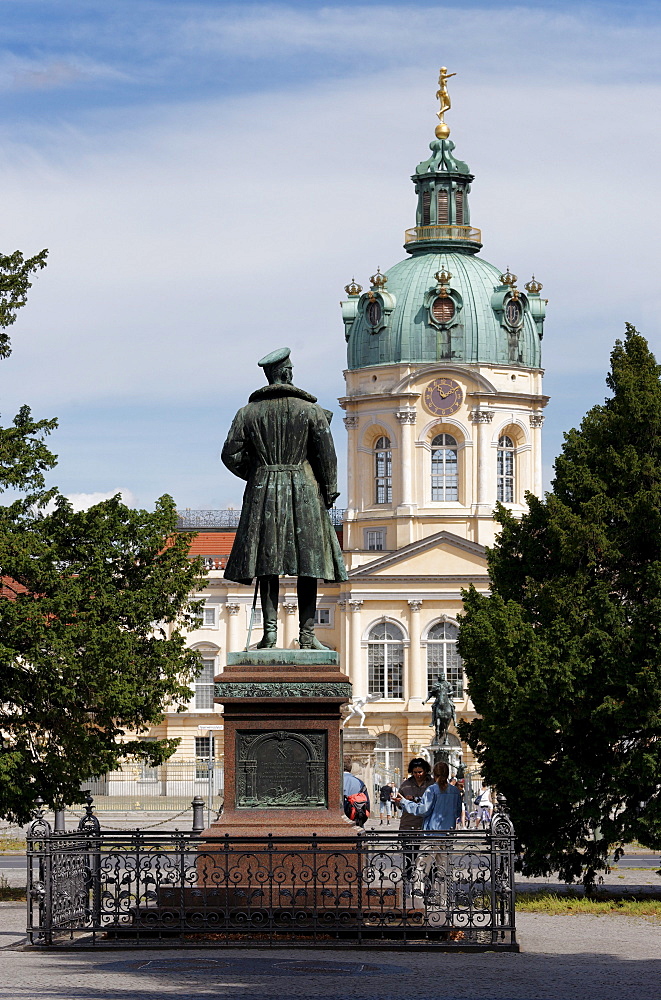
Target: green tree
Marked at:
564, 657
94, 609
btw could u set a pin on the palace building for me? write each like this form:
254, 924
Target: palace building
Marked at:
444, 413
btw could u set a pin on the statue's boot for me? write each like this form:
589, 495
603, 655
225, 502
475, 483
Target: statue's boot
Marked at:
268, 589
270, 636
308, 640
306, 589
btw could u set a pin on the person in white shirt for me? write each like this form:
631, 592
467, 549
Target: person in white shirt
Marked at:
484, 806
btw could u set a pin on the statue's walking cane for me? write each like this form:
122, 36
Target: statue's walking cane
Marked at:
252, 614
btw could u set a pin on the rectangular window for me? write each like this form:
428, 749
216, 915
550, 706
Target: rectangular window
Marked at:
375, 540
322, 616
204, 686
148, 773
210, 616
459, 208
443, 217
258, 621
204, 751
443, 661
505, 483
383, 480
426, 205
386, 669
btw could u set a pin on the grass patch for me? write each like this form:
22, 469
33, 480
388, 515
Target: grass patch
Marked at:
561, 906
9, 894
9, 843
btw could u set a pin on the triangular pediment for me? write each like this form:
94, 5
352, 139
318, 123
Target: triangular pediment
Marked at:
425, 557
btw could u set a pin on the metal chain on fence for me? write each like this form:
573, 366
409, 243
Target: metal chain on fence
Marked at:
121, 829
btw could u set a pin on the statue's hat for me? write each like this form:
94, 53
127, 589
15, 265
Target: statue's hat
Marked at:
275, 357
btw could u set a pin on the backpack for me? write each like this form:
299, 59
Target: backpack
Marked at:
385, 793
355, 807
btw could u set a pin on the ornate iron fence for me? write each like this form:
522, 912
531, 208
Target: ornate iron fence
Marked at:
451, 890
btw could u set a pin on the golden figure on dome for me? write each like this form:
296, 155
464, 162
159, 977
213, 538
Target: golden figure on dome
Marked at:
443, 129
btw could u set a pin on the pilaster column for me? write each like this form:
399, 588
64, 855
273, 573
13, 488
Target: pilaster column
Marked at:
351, 424
406, 417
357, 662
232, 641
482, 418
290, 608
536, 421
415, 682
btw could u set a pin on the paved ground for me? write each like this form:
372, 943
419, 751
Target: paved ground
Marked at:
562, 958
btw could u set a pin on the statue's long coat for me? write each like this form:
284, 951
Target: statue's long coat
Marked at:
282, 445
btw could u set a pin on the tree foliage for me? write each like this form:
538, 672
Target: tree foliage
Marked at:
564, 657
93, 614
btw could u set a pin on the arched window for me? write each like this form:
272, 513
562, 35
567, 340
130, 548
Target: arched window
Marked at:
388, 760
382, 471
444, 468
443, 217
385, 660
459, 208
505, 469
443, 660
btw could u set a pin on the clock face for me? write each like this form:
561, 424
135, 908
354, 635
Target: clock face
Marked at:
513, 312
443, 396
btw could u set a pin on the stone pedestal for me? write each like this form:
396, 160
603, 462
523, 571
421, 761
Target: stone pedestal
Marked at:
283, 760
358, 744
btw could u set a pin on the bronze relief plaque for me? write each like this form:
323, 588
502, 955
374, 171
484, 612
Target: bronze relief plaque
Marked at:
280, 769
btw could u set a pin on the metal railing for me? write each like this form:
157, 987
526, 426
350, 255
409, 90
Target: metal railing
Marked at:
452, 889
190, 520
443, 233
166, 788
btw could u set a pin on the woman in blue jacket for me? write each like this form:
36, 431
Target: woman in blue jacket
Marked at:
440, 806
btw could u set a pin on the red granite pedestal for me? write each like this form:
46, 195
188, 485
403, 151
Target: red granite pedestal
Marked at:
283, 742
283, 778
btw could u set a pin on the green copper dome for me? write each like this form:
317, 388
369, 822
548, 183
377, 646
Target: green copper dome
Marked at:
444, 303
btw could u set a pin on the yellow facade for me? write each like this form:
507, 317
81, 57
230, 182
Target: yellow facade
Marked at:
431, 549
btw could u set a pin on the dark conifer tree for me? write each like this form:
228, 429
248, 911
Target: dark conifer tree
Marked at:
564, 657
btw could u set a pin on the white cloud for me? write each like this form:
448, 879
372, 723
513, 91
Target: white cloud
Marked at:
186, 241
83, 501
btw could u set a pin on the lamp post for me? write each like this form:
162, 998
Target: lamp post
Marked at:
210, 763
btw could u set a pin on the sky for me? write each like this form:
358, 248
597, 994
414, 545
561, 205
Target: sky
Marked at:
207, 176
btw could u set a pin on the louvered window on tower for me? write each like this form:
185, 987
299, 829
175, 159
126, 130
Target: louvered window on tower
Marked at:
443, 216
442, 309
426, 207
459, 208
444, 468
505, 470
382, 471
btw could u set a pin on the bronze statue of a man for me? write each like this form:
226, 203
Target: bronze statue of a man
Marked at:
281, 444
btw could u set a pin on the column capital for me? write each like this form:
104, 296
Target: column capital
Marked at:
414, 605
355, 605
537, 419
232, 608
290, 607
406, 416
478, 416
351, 421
